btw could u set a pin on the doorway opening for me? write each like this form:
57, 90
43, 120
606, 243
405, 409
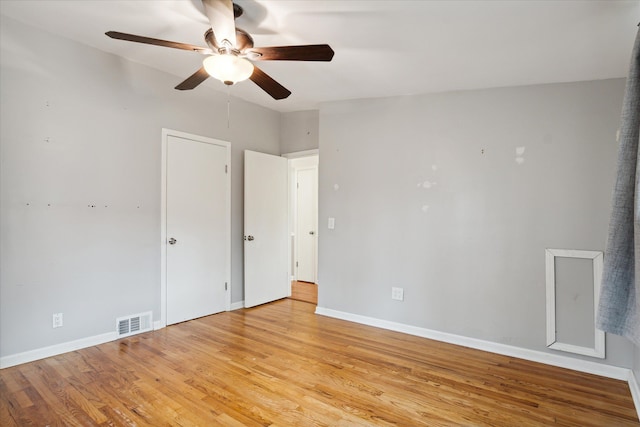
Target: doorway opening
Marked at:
303, 225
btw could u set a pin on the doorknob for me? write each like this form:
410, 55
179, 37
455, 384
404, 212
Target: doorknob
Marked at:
248, 238
312, 232
172, 241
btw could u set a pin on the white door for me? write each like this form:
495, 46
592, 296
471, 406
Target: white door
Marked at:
265, 228
306, 224
197, 226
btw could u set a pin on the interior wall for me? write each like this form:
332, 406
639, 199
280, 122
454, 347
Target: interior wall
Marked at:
80, 152
636, 362
299, 131
455, 196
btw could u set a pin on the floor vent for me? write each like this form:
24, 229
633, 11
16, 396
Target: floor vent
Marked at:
135, 324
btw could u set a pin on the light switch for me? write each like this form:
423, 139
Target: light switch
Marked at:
332, 223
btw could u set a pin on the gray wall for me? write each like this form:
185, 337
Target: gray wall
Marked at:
428, 195
79, 128
299, 131
636, 362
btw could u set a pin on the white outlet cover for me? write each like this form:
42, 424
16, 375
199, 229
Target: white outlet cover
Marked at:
57, 320
397, 294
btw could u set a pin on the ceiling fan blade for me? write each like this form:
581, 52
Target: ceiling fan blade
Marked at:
157, 42
312, 52
194, 80
266, 83
221, 18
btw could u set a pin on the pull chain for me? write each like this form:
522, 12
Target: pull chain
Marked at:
228, 105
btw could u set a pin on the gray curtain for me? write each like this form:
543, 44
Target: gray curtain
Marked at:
619, 305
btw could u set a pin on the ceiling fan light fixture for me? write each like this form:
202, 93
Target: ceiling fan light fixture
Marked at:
228, 68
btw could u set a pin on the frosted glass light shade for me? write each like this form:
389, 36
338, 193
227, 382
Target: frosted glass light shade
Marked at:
229, 69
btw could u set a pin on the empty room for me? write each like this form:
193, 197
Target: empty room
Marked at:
319, 213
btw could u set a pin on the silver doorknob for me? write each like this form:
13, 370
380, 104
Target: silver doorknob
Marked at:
172, 241
248, 238
312, 232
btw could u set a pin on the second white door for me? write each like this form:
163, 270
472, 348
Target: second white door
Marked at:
306, 223
265, 228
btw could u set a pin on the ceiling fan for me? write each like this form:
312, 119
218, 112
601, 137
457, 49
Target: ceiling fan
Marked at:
230, 51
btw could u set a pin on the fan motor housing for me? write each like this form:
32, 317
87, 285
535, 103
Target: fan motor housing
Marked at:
243, 40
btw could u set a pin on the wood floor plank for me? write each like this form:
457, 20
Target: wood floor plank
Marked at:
281, 365
6, 418
304, 291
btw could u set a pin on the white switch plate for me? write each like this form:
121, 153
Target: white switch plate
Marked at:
57, 320
397, 294
332, 223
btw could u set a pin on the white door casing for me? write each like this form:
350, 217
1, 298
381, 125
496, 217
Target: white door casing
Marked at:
195, 227
306, 223
265, 228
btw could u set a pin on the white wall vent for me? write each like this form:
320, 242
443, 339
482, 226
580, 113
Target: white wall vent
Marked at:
134, 324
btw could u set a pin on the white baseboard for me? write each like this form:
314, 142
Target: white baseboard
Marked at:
237, 305
54, 350
635, 391
506, 350
158, 324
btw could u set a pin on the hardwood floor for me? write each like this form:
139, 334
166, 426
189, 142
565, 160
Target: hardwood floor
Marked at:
304, 291
281, 365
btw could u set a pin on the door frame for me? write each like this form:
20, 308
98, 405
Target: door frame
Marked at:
292, 230
166, 133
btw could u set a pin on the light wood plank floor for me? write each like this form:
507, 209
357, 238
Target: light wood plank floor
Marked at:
281, 365
304, 291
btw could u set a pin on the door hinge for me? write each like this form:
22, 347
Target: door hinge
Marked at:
226, 286
226, 168
296, 263
297, 185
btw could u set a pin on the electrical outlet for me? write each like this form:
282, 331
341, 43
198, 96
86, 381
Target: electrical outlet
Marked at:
57, 320
397, 294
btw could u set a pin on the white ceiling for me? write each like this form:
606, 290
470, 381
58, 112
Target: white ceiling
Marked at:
383, 48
